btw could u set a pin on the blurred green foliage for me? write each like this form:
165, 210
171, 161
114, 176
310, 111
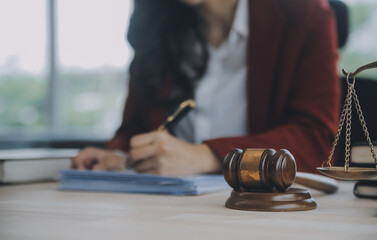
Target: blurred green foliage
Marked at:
88, 96
85, 100
361, 47
22, 92
359, 14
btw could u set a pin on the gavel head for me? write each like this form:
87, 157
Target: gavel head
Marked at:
259, 169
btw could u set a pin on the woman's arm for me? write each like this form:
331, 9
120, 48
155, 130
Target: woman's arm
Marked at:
313, 106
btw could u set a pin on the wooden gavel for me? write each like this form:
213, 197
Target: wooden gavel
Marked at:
269, 170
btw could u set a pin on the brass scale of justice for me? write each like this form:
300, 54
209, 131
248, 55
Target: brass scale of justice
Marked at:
350, 173
261, 178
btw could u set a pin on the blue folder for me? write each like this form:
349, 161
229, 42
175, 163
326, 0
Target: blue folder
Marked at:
131, 182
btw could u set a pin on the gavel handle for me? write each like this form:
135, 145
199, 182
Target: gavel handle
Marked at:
317, 182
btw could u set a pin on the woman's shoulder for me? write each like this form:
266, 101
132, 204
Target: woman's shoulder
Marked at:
298, 10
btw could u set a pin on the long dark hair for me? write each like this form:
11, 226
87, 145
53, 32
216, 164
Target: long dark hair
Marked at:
169, 43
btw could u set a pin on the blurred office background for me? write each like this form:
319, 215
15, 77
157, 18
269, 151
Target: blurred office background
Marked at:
63, 67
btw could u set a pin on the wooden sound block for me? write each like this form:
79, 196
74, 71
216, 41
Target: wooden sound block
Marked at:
295, 199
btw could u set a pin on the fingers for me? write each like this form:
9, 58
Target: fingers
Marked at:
147, 145
112, 161
142, 140
86, 158
143, 146
145, 166
148, 152
100, 166
73, 163
141, 153
147, 138
98, 159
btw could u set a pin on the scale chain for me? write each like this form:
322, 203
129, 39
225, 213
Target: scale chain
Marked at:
363, 124
345, 112
339, 130
348, 125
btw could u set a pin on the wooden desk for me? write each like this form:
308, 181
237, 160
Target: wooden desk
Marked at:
40, 211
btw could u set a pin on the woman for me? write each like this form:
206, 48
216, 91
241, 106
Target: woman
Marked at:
262, 73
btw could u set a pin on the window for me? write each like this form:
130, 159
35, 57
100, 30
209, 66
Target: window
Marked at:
63, 67
23, 76
361, 47
63, 64
92, 58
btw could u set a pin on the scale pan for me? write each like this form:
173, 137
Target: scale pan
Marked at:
354, 173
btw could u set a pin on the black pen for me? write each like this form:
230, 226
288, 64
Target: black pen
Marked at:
183, 109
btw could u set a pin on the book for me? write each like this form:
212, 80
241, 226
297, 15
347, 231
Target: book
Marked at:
361, 154
33, 164
366, 188
131, 182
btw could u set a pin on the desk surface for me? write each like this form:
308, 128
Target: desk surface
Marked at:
40, 211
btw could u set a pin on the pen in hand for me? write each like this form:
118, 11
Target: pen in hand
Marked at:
144, 150
182, 111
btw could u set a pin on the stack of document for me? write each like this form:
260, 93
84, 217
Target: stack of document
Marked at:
132, 182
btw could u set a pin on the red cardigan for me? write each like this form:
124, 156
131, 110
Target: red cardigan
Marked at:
293, 88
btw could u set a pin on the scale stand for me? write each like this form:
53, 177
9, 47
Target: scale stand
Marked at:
346, 172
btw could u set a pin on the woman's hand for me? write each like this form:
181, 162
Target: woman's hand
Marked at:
98, 159
162, 154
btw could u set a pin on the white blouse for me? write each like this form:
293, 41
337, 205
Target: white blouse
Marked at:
221, 95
